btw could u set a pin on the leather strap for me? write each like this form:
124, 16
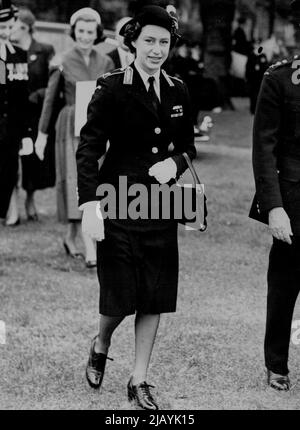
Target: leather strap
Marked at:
192, 169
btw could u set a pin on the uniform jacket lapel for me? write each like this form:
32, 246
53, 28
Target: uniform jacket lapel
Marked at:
167, 97
139, 92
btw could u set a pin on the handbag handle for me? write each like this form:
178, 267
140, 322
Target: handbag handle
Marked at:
192, 169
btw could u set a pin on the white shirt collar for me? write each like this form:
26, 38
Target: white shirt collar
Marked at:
145, 78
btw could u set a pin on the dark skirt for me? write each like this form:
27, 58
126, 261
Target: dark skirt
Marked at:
138, 269
8, 173
39, 174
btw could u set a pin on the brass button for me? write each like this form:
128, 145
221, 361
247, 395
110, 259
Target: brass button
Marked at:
157, 130
154, 150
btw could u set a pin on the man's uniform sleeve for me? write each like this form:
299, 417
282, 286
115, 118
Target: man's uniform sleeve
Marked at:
266, 140
93, 140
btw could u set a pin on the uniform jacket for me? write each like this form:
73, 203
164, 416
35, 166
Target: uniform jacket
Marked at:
37, 174
14, 121
121, 112
14, 98
276, 134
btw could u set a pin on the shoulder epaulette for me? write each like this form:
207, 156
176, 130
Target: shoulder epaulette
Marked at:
175, 77
128, 76
167, 77
113, 73
279, 64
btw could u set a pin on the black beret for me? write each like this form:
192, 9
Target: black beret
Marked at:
152, 15
7, 10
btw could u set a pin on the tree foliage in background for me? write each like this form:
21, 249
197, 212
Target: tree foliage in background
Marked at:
208, 22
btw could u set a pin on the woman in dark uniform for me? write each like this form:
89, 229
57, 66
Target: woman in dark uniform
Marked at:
137, 258
13, 112
36, 174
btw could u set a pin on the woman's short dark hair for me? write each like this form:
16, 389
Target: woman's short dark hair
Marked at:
100, 36
133, 30
26, 16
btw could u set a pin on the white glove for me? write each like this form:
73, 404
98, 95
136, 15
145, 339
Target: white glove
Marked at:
40, 144
92, 221
27, 146
163, 171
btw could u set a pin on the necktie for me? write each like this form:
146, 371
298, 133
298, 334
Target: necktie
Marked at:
152, 94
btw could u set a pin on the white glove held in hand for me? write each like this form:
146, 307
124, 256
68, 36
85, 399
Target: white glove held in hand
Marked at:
40, 145
92, 221
163, 171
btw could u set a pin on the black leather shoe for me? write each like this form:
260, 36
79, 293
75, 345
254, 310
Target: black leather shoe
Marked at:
277, 381
95, 366
141, 395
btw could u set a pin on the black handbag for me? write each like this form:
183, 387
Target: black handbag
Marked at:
193, 201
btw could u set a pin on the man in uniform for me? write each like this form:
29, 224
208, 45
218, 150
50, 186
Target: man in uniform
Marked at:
13, 106
276, 164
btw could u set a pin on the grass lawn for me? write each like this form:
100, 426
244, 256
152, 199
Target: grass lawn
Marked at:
208, 355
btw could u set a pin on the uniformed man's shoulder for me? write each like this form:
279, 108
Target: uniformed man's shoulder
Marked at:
280, 67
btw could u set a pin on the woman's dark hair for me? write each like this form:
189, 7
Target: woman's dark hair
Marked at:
133, 30
100, 37
26, 16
